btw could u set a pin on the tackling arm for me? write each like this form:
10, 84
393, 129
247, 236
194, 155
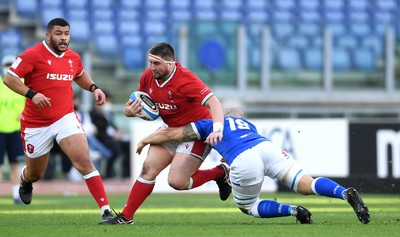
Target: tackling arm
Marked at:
185, 133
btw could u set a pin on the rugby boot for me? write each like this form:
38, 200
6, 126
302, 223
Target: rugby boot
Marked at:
303, 215
119, 219
25, 191
359, 207
223, 183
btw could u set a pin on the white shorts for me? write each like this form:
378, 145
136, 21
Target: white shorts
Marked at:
39, 141
198, 149
264, 159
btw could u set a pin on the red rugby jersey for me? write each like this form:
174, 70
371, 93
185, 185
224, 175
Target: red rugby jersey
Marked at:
180, 98
50, 74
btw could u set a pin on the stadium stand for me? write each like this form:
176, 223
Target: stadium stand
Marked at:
296, 19
296, 28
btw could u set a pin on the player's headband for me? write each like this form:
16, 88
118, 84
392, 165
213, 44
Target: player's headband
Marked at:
158, 59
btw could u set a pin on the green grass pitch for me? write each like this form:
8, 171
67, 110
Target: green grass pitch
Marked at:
192, 215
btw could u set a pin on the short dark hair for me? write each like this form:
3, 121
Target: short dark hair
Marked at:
163, 50
56, 22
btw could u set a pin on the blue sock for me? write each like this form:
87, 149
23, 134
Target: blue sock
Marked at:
268, 209
328, 188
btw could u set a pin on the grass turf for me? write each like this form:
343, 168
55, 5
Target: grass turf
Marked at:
195, 215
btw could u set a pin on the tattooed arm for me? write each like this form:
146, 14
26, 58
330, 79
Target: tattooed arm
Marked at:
185, 133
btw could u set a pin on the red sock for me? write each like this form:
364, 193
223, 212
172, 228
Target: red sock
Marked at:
96, 188
203, 176
140, 191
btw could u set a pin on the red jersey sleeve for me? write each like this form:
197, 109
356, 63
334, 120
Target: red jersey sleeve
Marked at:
194, 88
80, 68
24, 64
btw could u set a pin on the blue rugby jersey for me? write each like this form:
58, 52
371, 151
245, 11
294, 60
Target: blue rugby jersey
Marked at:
239, 135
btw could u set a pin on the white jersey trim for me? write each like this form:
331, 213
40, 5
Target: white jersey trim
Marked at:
206, 98
169, 78
51, 51
195, 130
14, 74
80, 74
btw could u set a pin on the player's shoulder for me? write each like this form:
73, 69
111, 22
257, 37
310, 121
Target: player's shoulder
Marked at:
184, 72
31, 54
35, 49
71, 53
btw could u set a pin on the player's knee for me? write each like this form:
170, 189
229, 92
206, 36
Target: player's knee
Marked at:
178, 184
84, 166
304, 185
250, 209
148, 172
293, 177
248, 206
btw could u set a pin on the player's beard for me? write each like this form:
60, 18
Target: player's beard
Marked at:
57, 46
156, 75
159, 76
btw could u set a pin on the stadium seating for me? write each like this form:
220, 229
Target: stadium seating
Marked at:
132, 58
49, 13
364, 59
80, 31
107, 45
341, 60
11, 42
289, 59
51, 4
26, 8
296, 26
73, 4
375, 43
212, 55
313, 59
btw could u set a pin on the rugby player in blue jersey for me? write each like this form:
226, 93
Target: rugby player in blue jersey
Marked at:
252, 156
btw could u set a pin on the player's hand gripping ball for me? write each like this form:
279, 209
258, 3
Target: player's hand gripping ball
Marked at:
150, 109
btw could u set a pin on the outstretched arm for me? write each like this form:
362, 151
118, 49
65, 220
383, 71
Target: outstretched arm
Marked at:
185, 133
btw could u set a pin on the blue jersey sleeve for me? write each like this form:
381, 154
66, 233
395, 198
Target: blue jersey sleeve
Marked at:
239, 135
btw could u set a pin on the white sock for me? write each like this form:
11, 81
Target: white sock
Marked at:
103, 208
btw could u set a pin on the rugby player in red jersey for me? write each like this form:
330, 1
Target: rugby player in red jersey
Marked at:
181, 98
48, 69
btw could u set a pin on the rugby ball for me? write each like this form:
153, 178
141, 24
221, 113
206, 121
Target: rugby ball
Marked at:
150, 109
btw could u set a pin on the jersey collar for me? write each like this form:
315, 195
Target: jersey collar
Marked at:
169, 78
51, 51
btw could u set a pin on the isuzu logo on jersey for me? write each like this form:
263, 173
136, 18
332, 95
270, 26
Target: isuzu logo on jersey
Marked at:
166, 106
60, 77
